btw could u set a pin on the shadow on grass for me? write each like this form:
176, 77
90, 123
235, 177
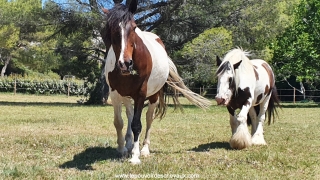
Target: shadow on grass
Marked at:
212, 145
85, 159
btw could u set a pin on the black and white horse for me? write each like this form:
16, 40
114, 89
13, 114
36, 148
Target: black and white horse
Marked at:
248, 85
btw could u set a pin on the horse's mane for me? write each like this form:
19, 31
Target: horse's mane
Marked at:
233, 57
119, 13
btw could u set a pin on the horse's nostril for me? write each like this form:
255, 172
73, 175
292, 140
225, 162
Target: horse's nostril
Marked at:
129, 64
121, 64
220, 100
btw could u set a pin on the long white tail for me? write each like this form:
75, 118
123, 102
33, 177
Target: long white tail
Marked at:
176, 82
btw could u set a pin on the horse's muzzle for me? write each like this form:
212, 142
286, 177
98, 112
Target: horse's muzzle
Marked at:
220, 101
126, 67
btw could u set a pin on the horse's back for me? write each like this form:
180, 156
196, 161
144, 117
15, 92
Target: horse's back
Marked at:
264, 78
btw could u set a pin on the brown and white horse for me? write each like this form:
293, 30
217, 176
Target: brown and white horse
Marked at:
248, 85
137, 67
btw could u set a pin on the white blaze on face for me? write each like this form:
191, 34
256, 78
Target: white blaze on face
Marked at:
123, 45
224, 82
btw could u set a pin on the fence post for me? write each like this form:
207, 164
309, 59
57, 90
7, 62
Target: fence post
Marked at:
294, 95
15, 86
68, 88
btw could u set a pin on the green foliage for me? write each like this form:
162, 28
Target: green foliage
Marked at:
259, 23
42, 86
296, 52
197, 58
9, 35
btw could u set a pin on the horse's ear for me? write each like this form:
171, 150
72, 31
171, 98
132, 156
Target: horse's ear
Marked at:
133, 6
236, 65
105, 11
218, 61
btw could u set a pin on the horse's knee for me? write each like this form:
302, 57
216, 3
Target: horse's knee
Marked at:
118, 123
242, 119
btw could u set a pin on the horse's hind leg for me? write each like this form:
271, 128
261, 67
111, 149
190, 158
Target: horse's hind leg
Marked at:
254, 122
129, 111
149, 118
258, 137
118, 122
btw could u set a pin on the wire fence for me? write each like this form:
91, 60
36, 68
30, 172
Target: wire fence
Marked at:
285, 95
46, 87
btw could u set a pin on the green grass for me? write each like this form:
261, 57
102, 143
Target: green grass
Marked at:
52, 137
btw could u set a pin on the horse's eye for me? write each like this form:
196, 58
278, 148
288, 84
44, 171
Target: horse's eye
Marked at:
230, 80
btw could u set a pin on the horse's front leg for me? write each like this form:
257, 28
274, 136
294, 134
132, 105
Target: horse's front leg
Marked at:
118, 122
129, 111
136, 127
242, 138
233, 120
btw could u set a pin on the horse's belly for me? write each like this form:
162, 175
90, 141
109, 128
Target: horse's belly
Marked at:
158, 76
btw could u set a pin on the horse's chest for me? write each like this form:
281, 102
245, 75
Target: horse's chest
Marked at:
146, 81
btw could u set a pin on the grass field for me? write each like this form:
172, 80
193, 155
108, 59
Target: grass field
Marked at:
52, 137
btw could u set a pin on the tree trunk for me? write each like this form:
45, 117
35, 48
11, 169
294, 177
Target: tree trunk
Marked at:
4, 68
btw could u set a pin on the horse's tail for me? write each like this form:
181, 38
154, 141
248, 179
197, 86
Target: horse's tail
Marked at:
161, 109
177, 84
274, 102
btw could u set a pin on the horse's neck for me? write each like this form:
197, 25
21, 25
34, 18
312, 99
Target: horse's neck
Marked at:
245, 75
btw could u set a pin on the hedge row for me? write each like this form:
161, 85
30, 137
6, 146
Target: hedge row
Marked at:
44, 86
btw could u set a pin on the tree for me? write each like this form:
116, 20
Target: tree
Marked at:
196, 59
257, 23
20, 23
296, 52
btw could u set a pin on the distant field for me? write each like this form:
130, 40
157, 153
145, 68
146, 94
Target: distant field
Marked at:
53, 137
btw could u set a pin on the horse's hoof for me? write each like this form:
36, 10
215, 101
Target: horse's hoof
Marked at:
258, 140
129, 147
241, 138
145, 151
135, 160
123, 152
236, 144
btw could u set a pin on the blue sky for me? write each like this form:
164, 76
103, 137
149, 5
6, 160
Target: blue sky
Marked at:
66, 1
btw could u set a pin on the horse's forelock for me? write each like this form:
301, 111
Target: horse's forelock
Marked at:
222, 68
234, 56
118, 14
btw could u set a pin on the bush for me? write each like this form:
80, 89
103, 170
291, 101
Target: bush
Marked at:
47, 86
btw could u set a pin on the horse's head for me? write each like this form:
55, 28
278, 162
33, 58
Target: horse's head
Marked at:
121, 34
226, 81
